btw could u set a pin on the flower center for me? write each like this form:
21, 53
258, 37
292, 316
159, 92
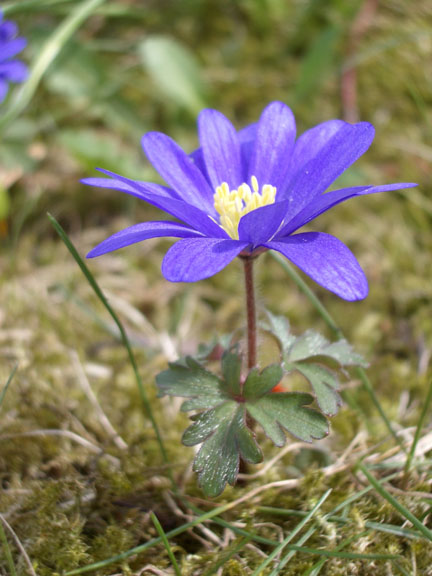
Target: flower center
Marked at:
232, 205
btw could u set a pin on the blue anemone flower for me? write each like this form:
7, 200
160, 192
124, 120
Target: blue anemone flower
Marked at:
244, 192
10, 70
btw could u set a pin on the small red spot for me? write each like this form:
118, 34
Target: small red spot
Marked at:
278, 388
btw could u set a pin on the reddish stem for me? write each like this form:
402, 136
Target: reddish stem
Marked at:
250, 312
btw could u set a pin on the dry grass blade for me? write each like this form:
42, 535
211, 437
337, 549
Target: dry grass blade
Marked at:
103, 419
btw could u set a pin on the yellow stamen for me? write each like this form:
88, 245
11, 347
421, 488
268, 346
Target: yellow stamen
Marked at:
232, 205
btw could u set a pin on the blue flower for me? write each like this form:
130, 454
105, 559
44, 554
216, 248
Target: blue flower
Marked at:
244, 192
10, 70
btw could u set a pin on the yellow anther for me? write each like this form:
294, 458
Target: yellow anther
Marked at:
232, 205
255, 184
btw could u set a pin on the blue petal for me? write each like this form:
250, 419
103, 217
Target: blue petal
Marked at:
12, 48
261, 224
194, 259
338, 153
327, 261
221, 149
311, 142
8, 30
326, 201
14, 71
197, 157
246, 138
137, 188
178, 170
271, 157
4, 87
140, 232
193, 216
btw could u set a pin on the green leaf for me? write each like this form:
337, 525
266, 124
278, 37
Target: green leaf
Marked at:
217, 345
275, 412
204, 388
312, 344
298, 350
280, 328
175, 71
325, 385
225, 438
259, 383
231, 369
227, 406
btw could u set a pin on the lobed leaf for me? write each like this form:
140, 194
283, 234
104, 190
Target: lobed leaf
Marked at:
227, 405
297, 351
279, 326
225, 438
191, 380
312, 344
275, 412
325, 385
259, 383
231, 369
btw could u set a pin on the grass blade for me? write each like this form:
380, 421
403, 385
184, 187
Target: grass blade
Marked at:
47, 55
377, 526
212, 514
346, 555
124, 337
7, 551
401, 569
395, 503
6, 386
424, 411
292, 552
27, 6
225, 556
166, 543
292, 534
316, 568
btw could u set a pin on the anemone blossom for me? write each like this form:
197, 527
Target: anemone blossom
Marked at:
242, 193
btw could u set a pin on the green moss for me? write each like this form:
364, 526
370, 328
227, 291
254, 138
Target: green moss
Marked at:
70, 504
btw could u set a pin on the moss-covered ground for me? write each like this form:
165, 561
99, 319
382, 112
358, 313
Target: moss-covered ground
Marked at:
81, 470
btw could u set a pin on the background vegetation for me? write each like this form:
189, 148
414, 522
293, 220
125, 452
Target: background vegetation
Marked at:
83, 479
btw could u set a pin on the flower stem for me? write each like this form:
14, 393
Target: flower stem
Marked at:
250, 312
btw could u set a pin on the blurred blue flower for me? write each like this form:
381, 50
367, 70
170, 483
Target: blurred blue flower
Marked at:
245, 192
10, 70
